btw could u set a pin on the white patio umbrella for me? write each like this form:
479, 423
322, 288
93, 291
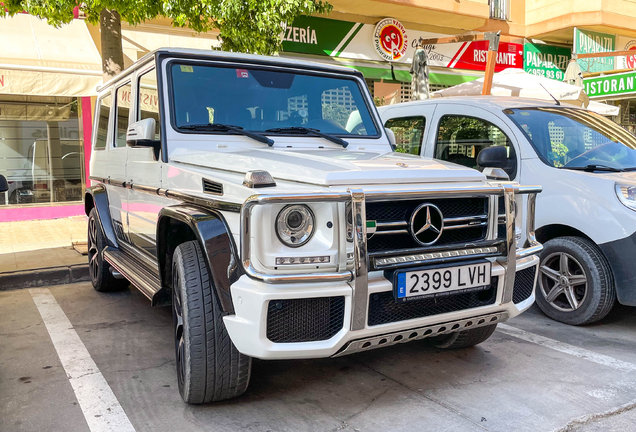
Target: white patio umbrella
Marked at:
604, 109
515, 82
573, 74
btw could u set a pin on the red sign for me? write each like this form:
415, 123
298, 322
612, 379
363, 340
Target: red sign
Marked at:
631, 60
472, 56
242, 73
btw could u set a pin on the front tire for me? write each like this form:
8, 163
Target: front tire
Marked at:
575, 281
463, 339
98, 269
209, 367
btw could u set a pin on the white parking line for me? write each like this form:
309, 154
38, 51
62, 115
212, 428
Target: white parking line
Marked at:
567, 348
101, 408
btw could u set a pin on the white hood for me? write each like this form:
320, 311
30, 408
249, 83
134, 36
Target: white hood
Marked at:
334, 167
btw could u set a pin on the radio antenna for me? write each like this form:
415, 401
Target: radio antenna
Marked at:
555, 99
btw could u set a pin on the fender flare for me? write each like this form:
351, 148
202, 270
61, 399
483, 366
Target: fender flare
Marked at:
99, 200
216, 242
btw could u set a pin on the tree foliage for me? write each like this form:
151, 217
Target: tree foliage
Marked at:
252, 26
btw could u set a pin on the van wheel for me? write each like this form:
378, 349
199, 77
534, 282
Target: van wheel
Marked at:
463, 339
209, 367
575, 281
98, 269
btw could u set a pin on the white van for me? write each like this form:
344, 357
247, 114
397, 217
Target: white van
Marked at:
586, 215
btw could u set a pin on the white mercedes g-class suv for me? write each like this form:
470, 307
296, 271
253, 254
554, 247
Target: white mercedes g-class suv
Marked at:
235, 188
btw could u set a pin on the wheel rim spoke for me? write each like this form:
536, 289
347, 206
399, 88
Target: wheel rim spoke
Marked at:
554, 293
552, 274
563, 265
569, 294
577, 280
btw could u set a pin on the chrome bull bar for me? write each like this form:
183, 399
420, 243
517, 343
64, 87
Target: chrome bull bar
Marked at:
357, 197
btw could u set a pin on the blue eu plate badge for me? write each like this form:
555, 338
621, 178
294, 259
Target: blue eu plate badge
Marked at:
401, 283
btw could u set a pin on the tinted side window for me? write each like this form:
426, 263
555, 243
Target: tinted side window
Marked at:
149, 100
121, 118
409, 132
103, 114
461, 138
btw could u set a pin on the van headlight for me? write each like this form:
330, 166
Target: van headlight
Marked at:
627, 195
295, 225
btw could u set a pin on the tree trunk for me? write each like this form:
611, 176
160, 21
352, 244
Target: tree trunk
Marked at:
112, 52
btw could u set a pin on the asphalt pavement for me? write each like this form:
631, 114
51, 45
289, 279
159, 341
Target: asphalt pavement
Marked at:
533, 374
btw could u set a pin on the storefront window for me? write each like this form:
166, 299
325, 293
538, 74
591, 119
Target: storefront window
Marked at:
41, 151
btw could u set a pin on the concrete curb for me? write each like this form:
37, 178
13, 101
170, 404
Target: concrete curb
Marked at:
44, 277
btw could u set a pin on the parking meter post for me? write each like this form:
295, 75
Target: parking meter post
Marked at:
491, 59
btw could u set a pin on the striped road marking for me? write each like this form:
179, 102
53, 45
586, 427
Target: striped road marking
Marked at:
101, 408
567, 348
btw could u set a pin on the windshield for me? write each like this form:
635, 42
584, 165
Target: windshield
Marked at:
574, 138
260, 99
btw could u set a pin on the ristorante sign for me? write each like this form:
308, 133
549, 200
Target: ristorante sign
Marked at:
610, 85
389, 40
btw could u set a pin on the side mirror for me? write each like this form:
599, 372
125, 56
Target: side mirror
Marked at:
495, 162
4, 184
141, 132
391, 135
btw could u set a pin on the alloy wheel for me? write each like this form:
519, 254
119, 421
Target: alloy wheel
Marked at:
93, 251
563, 282
177, 316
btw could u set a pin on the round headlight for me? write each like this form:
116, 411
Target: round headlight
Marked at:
295, 225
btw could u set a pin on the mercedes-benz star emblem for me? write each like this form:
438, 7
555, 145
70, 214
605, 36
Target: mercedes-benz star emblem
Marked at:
427, 224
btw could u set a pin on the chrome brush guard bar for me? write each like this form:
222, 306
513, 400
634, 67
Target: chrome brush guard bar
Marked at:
357, 278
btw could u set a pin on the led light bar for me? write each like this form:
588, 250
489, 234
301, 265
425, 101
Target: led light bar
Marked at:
434, 255
303, 260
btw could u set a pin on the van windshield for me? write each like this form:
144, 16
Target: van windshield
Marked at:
576, 139
267, 101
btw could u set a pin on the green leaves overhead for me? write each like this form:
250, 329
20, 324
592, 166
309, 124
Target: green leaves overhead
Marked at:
251, 26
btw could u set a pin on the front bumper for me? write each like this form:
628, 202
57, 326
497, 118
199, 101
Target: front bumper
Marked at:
251, 298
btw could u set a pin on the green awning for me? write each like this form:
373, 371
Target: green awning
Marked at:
384, 73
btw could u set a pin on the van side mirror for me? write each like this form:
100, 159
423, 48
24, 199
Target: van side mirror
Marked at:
142, 134
391, 135
495, 163
4, 184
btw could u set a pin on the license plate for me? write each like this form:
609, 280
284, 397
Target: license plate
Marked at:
423, 283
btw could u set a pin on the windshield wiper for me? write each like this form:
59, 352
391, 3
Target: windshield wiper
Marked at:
309, 131
219, 127
595, 167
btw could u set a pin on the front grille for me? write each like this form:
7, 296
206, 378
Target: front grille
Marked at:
304, 320
384, 309
524, 283
401, 211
